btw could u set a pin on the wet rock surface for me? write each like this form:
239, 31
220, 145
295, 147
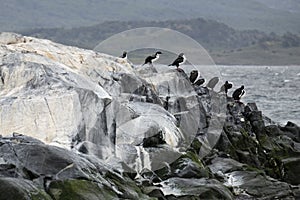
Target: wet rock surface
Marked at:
77, 124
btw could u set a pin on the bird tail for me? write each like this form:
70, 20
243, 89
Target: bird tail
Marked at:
170, 65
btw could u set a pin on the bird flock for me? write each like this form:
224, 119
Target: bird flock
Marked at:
195, 77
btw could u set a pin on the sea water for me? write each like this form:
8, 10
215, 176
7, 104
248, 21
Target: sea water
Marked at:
275, 89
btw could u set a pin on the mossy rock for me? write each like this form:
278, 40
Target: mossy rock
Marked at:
20, 189
189, 165
195, 146
126, 186
80, 190
292, 170
195, 189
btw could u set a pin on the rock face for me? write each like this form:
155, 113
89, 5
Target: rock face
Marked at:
31, 169
81, 99
78, 124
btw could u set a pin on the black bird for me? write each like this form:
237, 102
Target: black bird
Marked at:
199, 82
179, 60
150, 59
193, 76
238, 93
124, 55
212, 82
227, 85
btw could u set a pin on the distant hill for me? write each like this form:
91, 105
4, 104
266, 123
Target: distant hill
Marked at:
251, 14
227, 45
211, 34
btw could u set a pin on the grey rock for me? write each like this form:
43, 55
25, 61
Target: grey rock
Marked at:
76, 98
201, 188
78, 124
14, 188
293, 129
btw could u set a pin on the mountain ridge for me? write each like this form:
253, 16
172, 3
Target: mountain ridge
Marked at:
243, 15
226, 44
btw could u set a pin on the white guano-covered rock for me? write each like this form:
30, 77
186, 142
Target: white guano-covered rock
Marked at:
95, 103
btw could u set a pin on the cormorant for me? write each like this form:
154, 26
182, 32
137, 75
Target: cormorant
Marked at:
238, 93
150, 59
179, 60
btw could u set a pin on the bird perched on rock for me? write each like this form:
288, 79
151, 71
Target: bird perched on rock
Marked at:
212, 82
124, 55
199, 82
193, 76
238, 93
227, 85
150, 59
179, 60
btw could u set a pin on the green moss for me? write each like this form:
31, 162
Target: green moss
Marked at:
40, 195
128, 188
244, 132
13, 188
79, 190
195, 146
254, 169
191, 158
194, 157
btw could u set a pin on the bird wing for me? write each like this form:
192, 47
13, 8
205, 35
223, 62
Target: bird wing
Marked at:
149, 59
193, 76
235, 94
178, 60
199, 82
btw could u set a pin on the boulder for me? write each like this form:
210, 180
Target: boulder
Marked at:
15, 188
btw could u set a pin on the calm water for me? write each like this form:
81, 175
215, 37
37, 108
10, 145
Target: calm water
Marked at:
275, 89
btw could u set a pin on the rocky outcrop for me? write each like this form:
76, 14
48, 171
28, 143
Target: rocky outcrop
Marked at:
78, 124
31, 169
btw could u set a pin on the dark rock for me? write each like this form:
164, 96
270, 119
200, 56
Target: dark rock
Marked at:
258, 186
20, 189
189, 166
125, 187
293, 129
156, 193
292, 170
225, 165
79, 190
8, 170
255, 117
150, 176
154, 140
273, 130
61, 173
203, 188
